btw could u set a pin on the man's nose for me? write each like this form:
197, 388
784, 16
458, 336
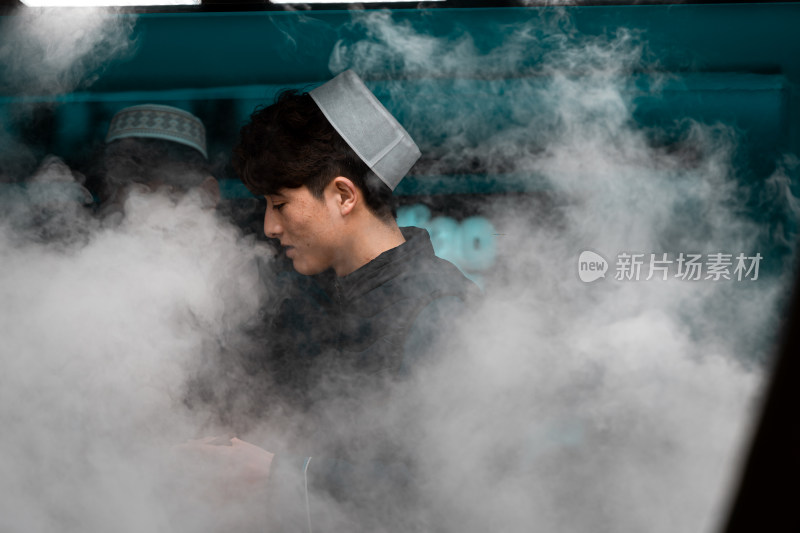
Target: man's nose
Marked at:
272, 228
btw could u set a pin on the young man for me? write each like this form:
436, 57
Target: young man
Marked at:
371, 300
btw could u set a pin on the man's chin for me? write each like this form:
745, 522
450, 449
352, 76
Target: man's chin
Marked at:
304, 269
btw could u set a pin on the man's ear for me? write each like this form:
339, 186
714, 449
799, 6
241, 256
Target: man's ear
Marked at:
345, 193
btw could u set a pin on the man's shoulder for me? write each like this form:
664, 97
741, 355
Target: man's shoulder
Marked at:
429, 272
438, 277
406, 279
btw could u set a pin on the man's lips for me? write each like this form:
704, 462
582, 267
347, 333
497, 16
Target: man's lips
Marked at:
287, 250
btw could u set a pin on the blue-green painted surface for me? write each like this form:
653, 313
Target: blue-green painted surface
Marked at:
190, 57
737, 63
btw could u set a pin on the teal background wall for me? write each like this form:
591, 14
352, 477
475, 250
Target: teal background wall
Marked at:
737, 63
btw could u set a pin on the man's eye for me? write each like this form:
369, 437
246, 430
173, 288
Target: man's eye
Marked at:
278, 206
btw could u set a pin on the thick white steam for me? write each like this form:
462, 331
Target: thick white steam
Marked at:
56, 50
98, 339
615, 406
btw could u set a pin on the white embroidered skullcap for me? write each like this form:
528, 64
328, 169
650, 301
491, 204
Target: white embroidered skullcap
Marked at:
370, 130
159, 122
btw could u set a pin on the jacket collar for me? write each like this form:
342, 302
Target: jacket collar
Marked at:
386, 266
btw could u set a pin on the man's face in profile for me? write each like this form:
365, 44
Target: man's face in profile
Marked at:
305, 226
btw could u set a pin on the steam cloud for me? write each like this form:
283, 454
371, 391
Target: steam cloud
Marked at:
97, 341
619, 406
58, 50
615, 406
53, 51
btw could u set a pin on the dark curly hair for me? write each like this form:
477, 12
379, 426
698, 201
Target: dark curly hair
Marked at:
290, 144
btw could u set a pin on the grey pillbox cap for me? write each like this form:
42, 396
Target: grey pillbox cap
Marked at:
370, 130
159, 122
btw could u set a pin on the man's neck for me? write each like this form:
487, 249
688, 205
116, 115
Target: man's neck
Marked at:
367, 243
